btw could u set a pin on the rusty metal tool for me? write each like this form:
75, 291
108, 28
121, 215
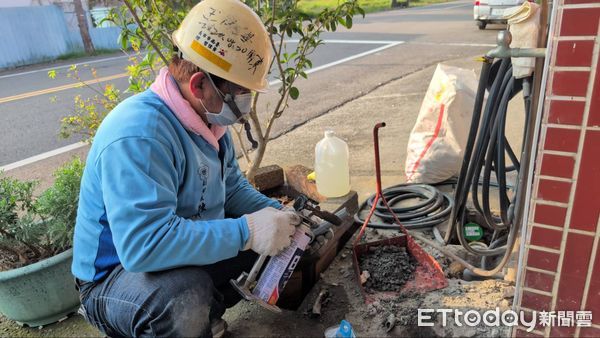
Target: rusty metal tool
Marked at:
302, 202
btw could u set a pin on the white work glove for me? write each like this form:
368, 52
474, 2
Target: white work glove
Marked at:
270, 230
287, 208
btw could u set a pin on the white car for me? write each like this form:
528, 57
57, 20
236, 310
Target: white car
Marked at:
492, 11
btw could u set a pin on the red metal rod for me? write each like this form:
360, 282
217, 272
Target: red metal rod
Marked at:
379, 191
377, 165
378, 176
364, 226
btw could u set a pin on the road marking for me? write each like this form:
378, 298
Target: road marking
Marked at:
362, 42
81, 144
42, 156
356, 56
451, 7
65, 66
372, 51
459, 44
388, 43
60, 88
434, 7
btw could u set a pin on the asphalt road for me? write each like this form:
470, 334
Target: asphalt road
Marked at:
380, 48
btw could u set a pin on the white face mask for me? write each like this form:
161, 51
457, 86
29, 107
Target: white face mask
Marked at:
227, 117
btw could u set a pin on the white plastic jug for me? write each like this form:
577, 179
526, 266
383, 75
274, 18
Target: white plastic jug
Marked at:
331, 166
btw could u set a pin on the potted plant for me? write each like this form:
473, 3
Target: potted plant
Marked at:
36, 285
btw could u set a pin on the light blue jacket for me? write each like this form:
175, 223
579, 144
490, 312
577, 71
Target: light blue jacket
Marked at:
155, 196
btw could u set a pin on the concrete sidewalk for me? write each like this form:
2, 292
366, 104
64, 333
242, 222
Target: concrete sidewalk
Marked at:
397, 103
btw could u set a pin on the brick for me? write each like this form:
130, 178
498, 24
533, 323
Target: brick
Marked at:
574, 53
594, 115
586, 208
557, 191
593, 296
570, 293
570, 83
542, 260
562, 331
574, 2
561, 139
539, 280
523, 333
268, 177
550, 215
535, 301
296, 178
546, 238
574, 270
579, 21
577, 254
566, 112
557, 165
589, 331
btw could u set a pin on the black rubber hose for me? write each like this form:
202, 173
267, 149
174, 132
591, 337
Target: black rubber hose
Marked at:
433, 207
483, 142
479, 138
459, 191
494, 161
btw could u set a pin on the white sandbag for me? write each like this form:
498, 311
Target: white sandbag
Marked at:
524, 26
436, 144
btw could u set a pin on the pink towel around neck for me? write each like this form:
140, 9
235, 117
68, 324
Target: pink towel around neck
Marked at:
166, 88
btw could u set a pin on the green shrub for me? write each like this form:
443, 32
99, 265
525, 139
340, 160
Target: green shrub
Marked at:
58, 204
31, 228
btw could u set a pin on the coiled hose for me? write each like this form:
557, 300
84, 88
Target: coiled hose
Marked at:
433, 207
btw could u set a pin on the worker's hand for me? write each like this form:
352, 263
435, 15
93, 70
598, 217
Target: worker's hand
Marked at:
287, 208
270, 230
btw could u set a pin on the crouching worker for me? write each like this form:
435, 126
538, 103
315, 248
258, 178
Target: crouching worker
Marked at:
165, 216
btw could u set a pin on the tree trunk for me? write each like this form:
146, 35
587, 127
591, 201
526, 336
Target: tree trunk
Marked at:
83, 27
259, 153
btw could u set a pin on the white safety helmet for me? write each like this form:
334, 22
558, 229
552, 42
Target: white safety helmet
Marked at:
226, 38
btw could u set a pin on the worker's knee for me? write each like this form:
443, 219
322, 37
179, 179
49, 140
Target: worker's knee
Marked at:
189, 302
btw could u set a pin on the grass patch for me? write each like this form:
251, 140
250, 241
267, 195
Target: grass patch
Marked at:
312, 7
81, 54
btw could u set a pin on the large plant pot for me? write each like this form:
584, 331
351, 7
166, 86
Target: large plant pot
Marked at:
40, 293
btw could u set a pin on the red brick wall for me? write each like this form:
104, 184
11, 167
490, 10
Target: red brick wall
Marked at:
560, 270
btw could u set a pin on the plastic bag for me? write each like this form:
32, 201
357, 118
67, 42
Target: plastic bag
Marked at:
524, 26
436, 143
344, 330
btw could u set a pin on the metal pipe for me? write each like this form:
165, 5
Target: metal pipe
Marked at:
503, 50
377, 165
255, 269
378, 193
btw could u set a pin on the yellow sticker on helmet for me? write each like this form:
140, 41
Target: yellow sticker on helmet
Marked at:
210, 56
